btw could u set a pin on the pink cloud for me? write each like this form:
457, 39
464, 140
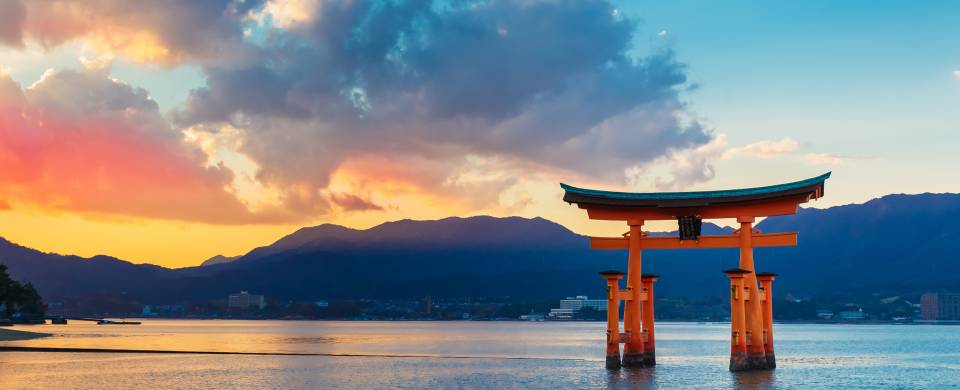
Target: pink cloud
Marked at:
78, 149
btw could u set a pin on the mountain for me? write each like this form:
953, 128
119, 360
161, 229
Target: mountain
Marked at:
478, 256
61, 276
218, 259
897, 243
900, 242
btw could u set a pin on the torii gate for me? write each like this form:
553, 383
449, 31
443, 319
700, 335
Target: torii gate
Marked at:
751, 306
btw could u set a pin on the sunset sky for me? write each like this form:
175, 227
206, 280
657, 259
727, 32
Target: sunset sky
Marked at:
171, 131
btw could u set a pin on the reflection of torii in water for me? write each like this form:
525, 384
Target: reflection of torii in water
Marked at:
751, 316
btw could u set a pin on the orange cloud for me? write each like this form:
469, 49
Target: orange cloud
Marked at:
351, 202
98, 166
78, 141
422, 186
158, 32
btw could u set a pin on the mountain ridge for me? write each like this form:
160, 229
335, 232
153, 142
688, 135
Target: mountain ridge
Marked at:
846, 247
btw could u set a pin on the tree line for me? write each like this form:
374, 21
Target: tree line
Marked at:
16, 297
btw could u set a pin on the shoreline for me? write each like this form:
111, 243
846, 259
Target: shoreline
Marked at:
18, 335
784, 322
4, 348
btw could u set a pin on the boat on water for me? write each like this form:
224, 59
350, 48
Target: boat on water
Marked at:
111, 322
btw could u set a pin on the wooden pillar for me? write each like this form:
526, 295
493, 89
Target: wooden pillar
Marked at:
633, 350
766, 283
756, 359
613, 317
649, 339
738, 340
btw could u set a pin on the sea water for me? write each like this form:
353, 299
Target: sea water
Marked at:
464, 354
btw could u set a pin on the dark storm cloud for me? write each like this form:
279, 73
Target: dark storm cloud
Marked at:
493, 61
545, 81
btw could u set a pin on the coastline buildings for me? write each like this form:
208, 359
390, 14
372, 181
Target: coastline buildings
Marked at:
853, 315
581, 301
940, 306
534, 317
244, 300
571, 305
427, 305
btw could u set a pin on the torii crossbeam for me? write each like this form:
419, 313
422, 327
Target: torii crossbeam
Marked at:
751, 341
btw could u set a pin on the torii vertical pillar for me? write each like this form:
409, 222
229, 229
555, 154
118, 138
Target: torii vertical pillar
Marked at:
649, 339
738, 329
756, 359
634, 349
766, 283
613, 317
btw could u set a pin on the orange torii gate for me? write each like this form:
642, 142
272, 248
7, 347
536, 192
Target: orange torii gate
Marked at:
751, 306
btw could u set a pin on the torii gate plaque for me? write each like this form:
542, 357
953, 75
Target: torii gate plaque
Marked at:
751, 315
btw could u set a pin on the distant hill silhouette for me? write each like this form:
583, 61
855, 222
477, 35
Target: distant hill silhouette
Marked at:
57, 275
218, 259
898, 243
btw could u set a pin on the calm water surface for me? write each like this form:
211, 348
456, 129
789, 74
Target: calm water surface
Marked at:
487, 355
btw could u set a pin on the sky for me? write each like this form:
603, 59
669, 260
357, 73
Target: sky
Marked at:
170, 132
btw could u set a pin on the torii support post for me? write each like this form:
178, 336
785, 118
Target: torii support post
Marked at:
613, 317
766, 283
633, 350
738, 329
649, 339
756, 359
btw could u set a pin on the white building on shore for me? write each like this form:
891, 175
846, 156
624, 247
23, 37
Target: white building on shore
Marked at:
571, 305
244, 300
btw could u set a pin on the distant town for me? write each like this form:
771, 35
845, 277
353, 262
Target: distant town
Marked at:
927, 308
20, 303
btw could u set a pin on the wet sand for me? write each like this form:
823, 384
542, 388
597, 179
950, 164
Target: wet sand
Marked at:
14, 335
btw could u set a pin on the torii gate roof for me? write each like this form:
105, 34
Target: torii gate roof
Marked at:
803, 189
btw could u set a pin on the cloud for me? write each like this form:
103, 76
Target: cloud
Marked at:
506, 80
350, 202
678, 169
763, 149
12, 16
167, 32
288, 13
453, 102
824, 159
956, 73
79, 141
